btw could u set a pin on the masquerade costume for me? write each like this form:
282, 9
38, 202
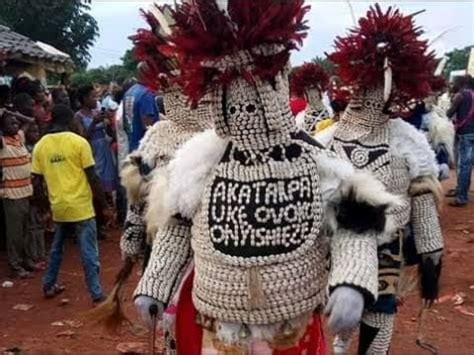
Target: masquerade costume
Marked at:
161, 141
373, 60
440, 133
438, 128
246, 205
310, 82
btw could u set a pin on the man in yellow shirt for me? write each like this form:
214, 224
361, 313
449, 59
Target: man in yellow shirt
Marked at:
64, 161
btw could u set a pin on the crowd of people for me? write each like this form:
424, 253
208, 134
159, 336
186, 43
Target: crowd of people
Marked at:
57, 145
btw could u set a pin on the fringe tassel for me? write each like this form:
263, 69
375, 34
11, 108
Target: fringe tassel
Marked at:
387, 80
110, 313
256, 295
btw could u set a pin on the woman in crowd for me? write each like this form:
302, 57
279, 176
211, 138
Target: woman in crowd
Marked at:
93, 124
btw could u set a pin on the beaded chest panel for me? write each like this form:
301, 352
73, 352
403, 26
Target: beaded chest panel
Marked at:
264, 203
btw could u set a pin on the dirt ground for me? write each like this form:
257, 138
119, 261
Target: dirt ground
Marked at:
449, 326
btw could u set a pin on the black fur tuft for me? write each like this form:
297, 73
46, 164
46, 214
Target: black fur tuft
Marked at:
366, 337
360, 216
429, 277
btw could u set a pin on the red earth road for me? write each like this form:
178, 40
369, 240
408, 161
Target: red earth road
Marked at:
32, 330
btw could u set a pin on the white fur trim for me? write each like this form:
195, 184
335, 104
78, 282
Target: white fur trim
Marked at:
189, 170
441, 130
372, 191
157, 214
410, 144
326, 136
369, 189
338, 177
333, 171
131, 180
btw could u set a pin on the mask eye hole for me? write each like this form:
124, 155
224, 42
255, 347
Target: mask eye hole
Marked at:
232, 110
250, 108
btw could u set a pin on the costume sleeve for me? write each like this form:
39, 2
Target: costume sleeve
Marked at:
357, 209
427, 233
355, 263
134, 233
170, 256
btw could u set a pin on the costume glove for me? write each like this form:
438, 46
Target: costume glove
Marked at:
430, 272
443, 172
344, 309
143, 305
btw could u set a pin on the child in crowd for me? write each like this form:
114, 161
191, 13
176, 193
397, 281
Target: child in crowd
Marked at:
36, 248
16, 190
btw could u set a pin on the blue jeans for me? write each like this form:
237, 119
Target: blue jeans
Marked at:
465, 157
87, 240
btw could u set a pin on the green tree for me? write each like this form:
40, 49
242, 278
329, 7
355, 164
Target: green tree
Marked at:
129, 62
325, 63
104, 75
457, 59
65, 24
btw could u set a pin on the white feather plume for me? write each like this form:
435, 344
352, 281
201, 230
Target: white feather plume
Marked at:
351, 10
163, 19
441, 65
223, 5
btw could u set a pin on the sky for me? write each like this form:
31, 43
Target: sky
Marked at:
327, 19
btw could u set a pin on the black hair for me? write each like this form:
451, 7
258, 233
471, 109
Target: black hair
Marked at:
61, 115
83, 92
471, 82
56, 94
36, 87
21, 85
464, 81
20, 100
5, 93
338, 105
3, 119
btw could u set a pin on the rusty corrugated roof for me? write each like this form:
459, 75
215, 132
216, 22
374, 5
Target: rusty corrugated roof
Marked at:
15, 45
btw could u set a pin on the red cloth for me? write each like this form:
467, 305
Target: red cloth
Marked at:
297, 105
41, 115
313, 342
189, 333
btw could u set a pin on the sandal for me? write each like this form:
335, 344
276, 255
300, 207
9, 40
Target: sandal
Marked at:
451, 193
457, 203
53, 291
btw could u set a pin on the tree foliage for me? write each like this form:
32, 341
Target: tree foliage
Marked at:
104, 75
325, 63
65, 24
129, 62
457, 59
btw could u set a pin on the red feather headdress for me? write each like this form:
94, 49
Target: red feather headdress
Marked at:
243, 38
306, 77
386, 38
147, 47
438, 83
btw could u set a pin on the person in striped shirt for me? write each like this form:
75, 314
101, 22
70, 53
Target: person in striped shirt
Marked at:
16, 190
